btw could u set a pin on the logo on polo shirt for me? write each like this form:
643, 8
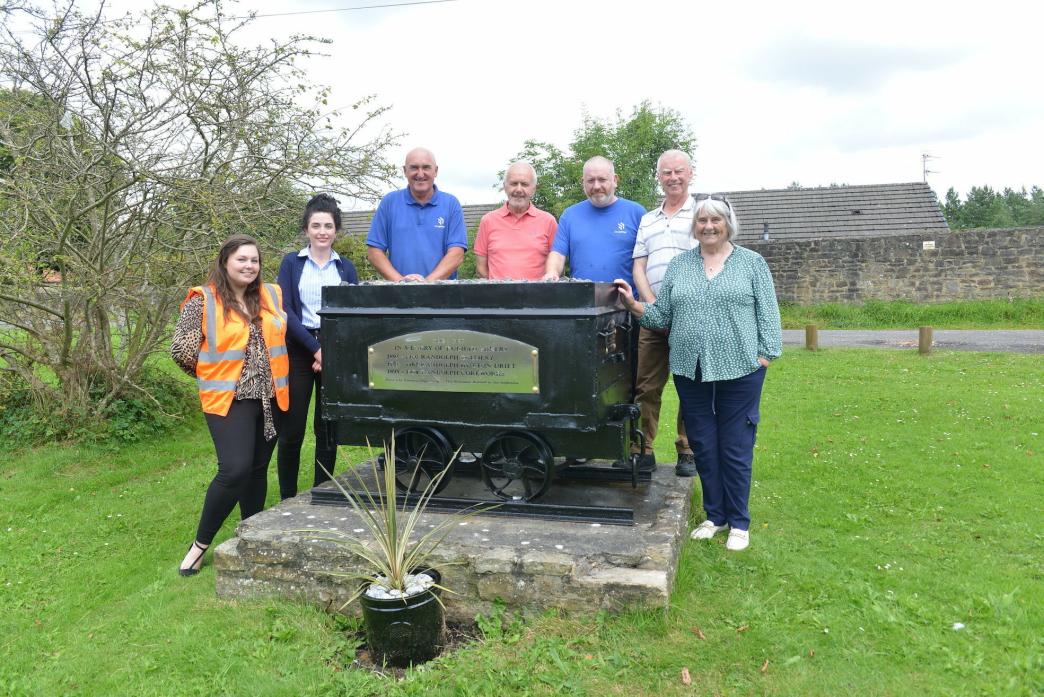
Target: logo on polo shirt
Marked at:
440, 222
621, 229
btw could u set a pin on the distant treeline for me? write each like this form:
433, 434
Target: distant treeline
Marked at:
984, 207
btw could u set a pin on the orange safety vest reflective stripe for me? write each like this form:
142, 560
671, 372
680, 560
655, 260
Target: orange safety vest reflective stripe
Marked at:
223, 350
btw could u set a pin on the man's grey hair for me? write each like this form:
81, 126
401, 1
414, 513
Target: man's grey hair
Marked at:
519, 163
674, 153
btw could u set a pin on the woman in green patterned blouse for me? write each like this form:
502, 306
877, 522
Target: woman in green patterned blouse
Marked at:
720, 304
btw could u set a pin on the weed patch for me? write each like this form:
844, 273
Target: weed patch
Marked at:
1017, 313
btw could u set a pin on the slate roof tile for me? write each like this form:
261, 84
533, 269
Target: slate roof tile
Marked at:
792, 214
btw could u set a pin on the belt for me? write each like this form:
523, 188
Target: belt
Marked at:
313, 332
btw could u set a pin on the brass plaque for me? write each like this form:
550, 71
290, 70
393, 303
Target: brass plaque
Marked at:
454, 360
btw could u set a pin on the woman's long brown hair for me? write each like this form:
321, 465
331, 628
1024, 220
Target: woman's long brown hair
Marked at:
219, 279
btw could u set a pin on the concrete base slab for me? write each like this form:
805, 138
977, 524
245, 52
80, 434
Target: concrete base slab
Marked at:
531, 565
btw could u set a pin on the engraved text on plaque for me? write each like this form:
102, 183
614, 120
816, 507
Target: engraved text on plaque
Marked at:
453, 360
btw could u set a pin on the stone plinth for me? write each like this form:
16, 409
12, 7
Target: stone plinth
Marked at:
531, 565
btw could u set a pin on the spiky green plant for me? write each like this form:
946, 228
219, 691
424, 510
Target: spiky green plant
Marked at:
395, 553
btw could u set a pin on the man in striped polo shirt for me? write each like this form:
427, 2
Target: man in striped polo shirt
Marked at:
664, 232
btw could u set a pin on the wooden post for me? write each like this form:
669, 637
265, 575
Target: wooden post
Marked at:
924, 340
811, 337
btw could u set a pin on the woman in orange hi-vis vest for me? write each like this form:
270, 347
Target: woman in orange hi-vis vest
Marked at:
231, 337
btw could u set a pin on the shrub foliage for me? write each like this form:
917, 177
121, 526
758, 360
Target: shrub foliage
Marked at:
129, 149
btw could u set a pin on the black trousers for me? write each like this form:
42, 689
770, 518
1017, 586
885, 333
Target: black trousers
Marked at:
292, 433
242, 455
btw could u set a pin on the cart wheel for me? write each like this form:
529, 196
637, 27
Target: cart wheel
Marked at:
420, 454
517, 466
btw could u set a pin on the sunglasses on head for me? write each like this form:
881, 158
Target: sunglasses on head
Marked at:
713, 197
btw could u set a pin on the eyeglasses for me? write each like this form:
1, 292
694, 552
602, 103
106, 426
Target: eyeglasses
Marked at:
712, 197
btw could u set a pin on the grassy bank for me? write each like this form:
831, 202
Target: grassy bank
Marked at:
1020, 313
895, 551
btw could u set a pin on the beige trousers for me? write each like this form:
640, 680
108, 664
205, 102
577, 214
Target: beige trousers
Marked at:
653, 371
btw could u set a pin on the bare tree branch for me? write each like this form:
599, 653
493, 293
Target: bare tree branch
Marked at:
129, 148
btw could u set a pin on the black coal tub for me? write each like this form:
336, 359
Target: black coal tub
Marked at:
522, 373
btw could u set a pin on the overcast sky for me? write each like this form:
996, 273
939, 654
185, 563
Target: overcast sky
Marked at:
775, 92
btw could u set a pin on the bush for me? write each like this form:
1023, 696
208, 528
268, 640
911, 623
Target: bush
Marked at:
132, 417
467, 267
353, 248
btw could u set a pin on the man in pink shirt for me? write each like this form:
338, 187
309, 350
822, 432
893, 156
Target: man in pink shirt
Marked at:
514, 240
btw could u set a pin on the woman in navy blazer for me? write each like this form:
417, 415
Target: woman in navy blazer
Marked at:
301, 276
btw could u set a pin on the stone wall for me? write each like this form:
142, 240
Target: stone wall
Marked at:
964, 265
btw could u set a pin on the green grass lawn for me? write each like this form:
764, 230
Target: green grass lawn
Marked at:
896, 549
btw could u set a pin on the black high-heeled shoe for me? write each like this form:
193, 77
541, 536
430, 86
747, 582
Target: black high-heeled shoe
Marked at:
197, 563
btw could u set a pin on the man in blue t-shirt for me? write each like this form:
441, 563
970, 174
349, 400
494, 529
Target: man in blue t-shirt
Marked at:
417, 233
597, 235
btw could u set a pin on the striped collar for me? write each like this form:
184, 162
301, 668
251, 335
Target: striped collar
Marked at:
687, 205
304, 253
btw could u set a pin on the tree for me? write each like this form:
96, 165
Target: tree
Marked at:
951, 209
151, 139
985, 208
1035, 214
633, 143
1017, 204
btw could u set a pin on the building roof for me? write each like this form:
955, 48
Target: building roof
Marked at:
358, 222
839, 211
792, 214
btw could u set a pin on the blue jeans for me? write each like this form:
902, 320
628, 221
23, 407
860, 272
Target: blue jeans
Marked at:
721, 421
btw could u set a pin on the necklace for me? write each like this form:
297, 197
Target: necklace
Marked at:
713, 266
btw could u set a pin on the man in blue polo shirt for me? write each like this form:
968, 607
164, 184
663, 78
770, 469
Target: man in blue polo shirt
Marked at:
597, 235
417, 233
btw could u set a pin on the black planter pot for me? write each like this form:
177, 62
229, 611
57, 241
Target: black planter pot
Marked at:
402, 631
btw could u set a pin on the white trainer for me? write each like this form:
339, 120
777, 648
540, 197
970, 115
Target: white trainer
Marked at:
706, 530
738, 540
